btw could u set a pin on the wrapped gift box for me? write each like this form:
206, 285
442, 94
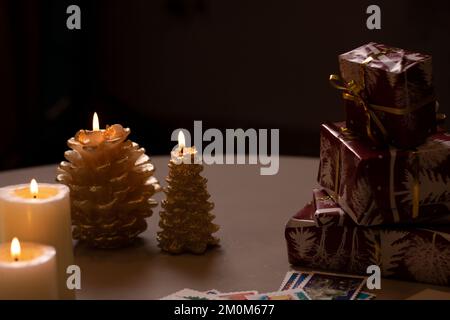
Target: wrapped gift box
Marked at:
385, 185
408, 253
397, 87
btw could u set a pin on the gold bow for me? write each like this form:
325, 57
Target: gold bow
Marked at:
416, 185
352, 91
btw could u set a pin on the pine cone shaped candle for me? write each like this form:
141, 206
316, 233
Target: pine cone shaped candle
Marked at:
111, 184
186, 220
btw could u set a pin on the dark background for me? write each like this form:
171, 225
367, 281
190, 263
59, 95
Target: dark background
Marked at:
158, 65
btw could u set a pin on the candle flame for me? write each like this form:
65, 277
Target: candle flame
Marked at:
95, 122
181, 140
34, 188
15, 249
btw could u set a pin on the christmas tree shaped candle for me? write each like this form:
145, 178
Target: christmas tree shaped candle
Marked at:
186, 219
111, 184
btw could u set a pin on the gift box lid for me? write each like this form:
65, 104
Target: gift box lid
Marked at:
437, 143
380, 56
361, 148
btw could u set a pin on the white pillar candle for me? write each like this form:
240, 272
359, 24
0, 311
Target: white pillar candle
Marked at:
41, 216
27, 271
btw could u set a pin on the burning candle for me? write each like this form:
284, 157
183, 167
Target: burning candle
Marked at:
27, 271
111, 186
183, 154
40, 213
186, 218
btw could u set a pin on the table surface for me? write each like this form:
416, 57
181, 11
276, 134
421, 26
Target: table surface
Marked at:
252, 211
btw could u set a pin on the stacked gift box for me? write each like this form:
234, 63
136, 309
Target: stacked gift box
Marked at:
384, 196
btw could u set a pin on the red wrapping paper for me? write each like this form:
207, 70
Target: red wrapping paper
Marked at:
410, 253
383, 186
394, 78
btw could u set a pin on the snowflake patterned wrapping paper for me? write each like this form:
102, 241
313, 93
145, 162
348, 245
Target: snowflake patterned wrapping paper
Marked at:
398, 89
414, 254
385, 185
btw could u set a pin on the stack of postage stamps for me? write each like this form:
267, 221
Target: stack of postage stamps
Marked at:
295, 286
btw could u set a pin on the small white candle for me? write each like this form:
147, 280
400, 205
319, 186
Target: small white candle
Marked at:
27, 271
40, 214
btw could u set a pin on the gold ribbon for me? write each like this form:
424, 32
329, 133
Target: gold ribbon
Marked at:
324, 198
337, 174
416, 185
352, 91
377, 247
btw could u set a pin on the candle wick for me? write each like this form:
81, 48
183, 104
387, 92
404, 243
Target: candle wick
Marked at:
34, 197
16, 259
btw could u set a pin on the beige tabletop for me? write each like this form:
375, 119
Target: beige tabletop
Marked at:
251, 210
